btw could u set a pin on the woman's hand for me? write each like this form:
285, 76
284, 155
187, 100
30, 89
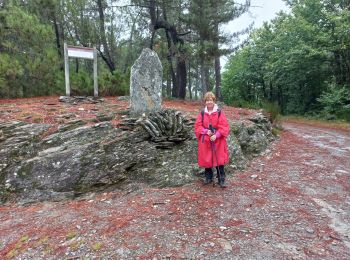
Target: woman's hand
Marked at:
213, 138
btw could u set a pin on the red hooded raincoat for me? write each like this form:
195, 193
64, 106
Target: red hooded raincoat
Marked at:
212, 154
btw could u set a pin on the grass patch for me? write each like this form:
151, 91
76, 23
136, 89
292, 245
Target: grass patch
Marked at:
71, 235
18, 246
24, 239
276, 131
12, 253
96, 246
43, 240
75, 245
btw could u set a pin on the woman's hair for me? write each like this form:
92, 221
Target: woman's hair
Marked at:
209, 95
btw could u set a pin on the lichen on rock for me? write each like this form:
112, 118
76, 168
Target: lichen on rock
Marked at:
158, 149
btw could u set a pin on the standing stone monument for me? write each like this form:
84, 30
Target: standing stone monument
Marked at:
146, 83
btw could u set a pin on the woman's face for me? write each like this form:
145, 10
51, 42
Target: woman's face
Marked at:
209, 103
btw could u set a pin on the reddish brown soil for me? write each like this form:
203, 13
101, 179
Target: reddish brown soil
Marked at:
338, 126
292, 203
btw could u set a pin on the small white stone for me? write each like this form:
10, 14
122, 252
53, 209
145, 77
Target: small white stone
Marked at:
222, 228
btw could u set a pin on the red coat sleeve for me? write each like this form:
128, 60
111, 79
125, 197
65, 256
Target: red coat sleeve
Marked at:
198, 128
223, 125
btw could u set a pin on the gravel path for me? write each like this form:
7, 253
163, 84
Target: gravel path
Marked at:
292, 203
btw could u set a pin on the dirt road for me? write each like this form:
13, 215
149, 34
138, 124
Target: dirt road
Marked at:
292, 203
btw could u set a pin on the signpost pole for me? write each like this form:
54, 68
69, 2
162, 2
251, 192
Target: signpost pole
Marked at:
95, 74
66, 69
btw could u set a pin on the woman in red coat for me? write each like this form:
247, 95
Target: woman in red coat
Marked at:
211, 129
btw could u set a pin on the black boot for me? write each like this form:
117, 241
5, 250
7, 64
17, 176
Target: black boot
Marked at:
208, 176
221, 177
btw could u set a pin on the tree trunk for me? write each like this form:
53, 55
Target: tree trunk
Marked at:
175, 89
217, 64
106, 53
264, 89
181, 76
280, 99
170, 57
57, 34
204, 77
204, 69
76, 66
129, 51
197, 82
218, 77
347, 62
249, 96
271, 91
168, 84
189, 80
172, 39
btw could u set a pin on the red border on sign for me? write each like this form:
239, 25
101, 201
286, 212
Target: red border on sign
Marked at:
79, 48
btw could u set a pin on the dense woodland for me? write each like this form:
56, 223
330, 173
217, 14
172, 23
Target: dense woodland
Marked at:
186, 34
298, 63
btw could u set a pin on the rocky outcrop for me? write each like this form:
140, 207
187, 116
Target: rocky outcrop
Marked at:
36, 165
253, 137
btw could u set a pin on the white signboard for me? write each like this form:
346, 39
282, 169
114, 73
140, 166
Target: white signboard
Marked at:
80, 52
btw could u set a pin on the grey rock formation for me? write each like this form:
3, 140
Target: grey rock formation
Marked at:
76, 159
80, 99
254, 137
146, 83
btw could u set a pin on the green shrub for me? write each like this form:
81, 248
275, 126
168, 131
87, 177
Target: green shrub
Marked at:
273, 110
28, 60
116, 84
336, 100
343, 114
81, 83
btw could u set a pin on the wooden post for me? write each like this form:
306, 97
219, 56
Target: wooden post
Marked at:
95, 74
66, 69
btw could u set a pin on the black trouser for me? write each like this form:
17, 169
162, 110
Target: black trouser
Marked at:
208, 173
220, 173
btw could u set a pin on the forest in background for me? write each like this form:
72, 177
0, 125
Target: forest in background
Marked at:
186, 34
299, 63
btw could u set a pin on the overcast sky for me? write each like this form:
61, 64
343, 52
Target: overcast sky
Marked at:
260, 11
